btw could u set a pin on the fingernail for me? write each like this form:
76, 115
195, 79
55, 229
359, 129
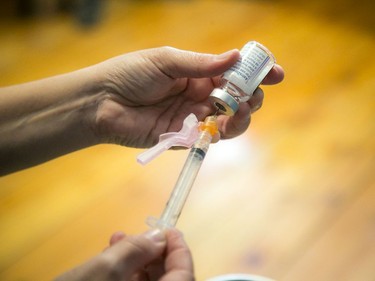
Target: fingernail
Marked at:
256, 107
117, 236
156, 235
224, 56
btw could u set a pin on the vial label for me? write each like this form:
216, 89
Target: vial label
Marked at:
249, 71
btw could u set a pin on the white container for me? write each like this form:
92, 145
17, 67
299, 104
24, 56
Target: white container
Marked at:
241, 80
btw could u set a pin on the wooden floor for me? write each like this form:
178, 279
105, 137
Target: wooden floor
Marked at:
292, 199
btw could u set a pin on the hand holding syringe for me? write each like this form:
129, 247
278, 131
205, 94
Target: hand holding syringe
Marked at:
203, 134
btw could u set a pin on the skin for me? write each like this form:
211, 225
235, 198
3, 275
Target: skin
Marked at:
151, 256
128, 100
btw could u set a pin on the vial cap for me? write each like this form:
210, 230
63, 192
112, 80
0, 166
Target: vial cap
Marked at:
224, 102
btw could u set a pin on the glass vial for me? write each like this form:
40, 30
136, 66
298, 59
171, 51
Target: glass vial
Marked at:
241, 80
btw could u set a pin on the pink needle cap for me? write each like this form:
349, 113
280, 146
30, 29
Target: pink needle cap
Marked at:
186, 137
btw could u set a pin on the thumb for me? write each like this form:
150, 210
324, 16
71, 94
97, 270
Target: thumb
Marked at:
135, 252
179, 63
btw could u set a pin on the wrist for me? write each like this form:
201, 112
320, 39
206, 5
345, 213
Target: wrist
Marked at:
47, 118
100, 94
85, 102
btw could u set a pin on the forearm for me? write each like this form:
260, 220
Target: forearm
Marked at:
45, 119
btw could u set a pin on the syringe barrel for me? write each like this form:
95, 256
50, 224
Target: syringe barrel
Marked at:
182, 188
187, 176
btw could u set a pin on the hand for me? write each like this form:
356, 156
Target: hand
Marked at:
153, 255
128, 100
150, 92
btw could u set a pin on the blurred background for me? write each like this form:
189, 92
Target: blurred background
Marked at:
292, 199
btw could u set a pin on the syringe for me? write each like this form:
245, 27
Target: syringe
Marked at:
187, 176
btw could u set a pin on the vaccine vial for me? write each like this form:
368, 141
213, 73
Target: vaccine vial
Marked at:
241, 80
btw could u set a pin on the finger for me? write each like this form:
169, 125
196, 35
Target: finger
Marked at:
179, 63
141, 275
178, 261
117, 236
256, 100
276, 75
155, 270
133, 253
216, 137
235, 125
